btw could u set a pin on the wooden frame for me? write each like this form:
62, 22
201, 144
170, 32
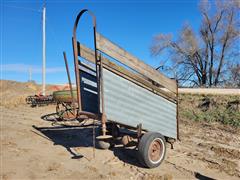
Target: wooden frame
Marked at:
88, 54
118, 53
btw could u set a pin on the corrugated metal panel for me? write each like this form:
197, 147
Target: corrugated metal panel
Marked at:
130, 104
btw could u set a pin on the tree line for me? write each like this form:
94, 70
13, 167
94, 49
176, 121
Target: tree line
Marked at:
209, 57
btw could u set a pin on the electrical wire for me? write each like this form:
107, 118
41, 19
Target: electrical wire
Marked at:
24, 8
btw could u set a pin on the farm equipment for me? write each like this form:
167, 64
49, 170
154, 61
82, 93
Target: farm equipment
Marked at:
121, 92
64, 108
39, 100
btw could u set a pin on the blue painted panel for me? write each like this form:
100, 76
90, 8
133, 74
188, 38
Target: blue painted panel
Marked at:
89, 93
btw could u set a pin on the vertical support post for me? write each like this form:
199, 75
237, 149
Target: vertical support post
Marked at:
101, 96
177, 115
44, 51
97, 65
77, 76
69, 81
99, 74
139, 132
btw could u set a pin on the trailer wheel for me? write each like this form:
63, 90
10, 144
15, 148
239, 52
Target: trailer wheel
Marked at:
152, 149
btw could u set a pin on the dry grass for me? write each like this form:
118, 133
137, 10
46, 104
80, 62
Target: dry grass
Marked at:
14, 93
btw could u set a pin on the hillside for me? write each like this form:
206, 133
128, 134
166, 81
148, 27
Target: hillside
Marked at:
224, 109
13, 93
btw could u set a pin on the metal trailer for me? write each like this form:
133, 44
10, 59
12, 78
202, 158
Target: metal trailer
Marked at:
122, 91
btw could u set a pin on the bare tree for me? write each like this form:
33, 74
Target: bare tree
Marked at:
234, 76
200, 59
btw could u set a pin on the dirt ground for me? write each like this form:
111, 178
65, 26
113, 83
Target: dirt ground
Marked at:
32, 148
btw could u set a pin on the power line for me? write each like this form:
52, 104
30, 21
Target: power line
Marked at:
24, 8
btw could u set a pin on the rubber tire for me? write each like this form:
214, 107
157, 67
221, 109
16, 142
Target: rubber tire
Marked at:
64, 96
103, 144
143, 148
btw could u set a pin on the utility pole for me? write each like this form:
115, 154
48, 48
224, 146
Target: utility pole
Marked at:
44, 50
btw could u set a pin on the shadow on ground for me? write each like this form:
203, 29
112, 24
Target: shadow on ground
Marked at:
82, 136
202, 177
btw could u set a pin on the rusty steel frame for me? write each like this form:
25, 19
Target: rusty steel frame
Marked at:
66, 112
98, 66
69, 81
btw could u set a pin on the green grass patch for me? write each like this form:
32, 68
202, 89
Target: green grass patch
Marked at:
210, 108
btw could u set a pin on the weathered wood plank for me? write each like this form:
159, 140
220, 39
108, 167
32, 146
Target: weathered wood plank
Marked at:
88, 54
118, 53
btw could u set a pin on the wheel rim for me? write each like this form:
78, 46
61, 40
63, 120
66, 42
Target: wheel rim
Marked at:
156, 151
65, 112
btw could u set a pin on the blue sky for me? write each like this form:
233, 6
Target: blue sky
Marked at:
130, 24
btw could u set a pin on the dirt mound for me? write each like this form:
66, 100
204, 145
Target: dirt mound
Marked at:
211, 108
14, 93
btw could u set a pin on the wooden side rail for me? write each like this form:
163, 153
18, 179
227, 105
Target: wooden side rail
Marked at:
118, 53
88, 54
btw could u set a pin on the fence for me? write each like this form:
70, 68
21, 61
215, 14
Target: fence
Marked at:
215, 91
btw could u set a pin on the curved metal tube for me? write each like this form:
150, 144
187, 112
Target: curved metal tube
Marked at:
75, 53
98, 70
78, 18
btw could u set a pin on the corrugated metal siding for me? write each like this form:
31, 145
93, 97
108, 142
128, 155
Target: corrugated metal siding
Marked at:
130, 104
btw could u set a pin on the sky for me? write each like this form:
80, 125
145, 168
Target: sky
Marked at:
130, 24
